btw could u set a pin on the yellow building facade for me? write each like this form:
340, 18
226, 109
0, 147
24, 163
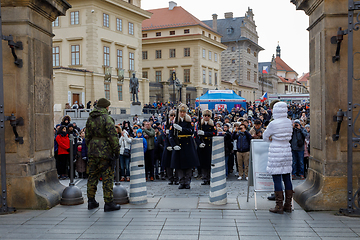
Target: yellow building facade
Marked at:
174, 40
96, 48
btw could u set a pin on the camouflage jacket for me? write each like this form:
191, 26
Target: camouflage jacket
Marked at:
101, 137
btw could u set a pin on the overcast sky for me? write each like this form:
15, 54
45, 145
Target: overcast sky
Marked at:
276, 20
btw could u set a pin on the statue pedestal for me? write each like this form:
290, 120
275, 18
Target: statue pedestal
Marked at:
135, 108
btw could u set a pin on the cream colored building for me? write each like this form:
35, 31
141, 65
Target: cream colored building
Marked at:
173, 39
97, 37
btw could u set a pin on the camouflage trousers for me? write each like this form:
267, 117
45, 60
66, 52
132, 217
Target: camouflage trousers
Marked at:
100, 167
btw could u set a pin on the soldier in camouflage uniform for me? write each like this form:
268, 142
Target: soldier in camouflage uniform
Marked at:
103, 147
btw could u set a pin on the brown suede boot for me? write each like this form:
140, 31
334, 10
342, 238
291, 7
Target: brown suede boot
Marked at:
288, 199
279, 198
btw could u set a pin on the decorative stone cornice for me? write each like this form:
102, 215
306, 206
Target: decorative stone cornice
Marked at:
50, 9
308, 6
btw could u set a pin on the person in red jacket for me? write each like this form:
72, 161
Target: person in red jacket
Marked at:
63, 151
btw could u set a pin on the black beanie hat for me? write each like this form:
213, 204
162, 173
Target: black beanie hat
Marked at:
103, 103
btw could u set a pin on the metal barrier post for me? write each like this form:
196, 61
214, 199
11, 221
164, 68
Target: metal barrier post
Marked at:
218, 193
138, 192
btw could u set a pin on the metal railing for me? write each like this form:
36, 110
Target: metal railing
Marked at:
84, 113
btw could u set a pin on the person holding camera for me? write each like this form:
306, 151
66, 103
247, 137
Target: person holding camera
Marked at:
257, 131
297, 148
243, 138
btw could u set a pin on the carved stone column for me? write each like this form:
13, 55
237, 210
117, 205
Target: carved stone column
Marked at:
31, 172
326, 185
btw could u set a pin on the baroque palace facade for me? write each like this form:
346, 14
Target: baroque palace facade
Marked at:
175, 40
96, 48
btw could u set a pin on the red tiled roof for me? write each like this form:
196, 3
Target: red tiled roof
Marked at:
285, 80
304, 78
165, 18
281, 65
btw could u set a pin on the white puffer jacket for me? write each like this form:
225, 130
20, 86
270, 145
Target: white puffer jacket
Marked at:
125, 142
280, 130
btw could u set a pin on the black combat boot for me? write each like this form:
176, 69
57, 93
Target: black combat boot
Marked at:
111, 206
92, 203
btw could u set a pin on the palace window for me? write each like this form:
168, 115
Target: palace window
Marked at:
56, 22
75, 55
131, 28
106, 56
119, 59
120, 93
186, 75
56, 56
158, 76
119, 24
172, 53
74, 18
107, 91
157, 54
186, 52
144, 55
131, 61
106, 20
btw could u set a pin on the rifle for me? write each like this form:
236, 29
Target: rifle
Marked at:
176, 132
199, 125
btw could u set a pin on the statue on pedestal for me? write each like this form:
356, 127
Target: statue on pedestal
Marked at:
134, 87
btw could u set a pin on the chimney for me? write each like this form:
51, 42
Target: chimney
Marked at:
229, 15
215, 21
172, 4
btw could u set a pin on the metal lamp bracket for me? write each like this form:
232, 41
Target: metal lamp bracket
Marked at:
14, 122
337, 40
339, 117
18, 45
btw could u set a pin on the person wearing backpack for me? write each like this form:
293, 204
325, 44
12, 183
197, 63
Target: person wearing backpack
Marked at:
297, 148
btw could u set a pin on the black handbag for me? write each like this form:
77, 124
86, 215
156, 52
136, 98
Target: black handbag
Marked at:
126, 152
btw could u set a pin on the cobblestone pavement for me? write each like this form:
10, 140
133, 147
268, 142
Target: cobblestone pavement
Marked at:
179, 214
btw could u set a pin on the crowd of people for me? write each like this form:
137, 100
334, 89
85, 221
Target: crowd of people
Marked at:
238, 126
177, 142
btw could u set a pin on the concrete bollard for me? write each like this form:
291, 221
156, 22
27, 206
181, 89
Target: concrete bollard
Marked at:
138, 192
218, 193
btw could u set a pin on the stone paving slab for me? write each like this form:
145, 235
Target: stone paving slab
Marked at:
173, 214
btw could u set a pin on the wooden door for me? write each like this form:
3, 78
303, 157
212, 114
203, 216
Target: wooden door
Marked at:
75, 97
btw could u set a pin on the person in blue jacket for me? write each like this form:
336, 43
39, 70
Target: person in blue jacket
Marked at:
139, 134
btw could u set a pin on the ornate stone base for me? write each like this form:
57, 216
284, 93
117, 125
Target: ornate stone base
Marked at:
320, 192
40, 191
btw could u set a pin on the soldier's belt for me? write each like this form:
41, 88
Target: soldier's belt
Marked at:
184, 136
207, 138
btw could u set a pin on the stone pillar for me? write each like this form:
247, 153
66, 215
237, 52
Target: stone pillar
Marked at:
326, 185
166, 94
31, 172
183, 94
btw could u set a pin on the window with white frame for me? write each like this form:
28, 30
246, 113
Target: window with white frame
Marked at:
158, 76
186, 52
210, 77
107, 91
204, 76
56, 56
106, 56
119, 56
204, 53
106, 20
216, 78
74, 18
131, 28
215, 57
131, 61
210, 55
75, 55
157, 53
144, 55
172, 53
120, 93
186, 75
119, 24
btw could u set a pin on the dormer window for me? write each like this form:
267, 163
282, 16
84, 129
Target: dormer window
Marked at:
230, 30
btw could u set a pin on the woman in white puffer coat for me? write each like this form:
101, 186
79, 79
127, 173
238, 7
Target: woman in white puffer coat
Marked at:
279, 133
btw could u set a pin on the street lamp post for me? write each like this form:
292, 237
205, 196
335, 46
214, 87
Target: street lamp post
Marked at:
173, 77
